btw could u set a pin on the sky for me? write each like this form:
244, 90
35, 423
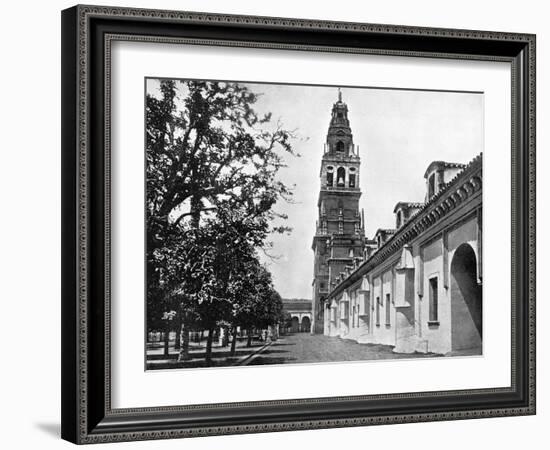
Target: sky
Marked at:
398, 131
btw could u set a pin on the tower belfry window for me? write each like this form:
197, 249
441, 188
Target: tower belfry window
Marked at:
341, 176
351, 180
339, 146
330, 176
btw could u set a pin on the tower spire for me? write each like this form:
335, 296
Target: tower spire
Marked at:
339, 136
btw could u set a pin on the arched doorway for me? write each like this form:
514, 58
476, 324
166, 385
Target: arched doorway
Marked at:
295, 326
466, 301
306, 324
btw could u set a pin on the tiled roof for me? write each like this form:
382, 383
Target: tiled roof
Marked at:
444, 165
385, 231
408, 205
296, 300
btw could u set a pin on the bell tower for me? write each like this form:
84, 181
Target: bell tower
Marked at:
339, 238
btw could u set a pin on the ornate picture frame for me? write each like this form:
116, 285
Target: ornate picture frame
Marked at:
88, 33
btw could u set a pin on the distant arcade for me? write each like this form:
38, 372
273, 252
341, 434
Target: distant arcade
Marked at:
299, 310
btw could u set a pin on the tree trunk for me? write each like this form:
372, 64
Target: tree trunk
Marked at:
208, 357
184, 347
233, 341
196, 207
224, 336
179, 327
166, 338
249, 338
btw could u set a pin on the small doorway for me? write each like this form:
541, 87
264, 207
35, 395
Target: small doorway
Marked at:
295, 326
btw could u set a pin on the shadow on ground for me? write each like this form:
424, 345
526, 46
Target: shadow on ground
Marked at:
202, 353
193, 364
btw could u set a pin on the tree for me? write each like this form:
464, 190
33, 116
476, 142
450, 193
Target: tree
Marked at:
285, 320
256, 303
208, 153
207, 150
219, 276
238, 280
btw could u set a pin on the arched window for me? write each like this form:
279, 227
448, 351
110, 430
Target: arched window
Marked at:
339, 146
341, 176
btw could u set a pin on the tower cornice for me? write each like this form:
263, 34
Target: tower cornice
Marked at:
341, 158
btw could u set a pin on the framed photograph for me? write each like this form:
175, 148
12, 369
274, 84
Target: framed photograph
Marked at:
279, 224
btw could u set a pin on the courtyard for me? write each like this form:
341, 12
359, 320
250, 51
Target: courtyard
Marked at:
288, 349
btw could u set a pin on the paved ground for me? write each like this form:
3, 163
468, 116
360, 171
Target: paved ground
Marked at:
304, 348
292, 348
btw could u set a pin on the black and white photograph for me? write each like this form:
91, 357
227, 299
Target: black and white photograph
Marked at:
301, 224
275, 225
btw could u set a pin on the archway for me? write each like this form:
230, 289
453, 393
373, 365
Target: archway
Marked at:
306, 324
295, 326
466, 301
